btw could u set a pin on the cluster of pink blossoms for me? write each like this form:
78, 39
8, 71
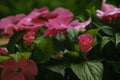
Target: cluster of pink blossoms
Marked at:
108, 13
57, 21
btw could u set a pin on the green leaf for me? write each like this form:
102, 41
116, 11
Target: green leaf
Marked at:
104, 41
43, 49
42, 30
89, 70
71, 53
13, 40
60, 37
58, 68
108, 30
91, 11
94, 32
26, 55
19, 47
4, 58
117, 36
58, 45
16, 56
72, 34
77, 48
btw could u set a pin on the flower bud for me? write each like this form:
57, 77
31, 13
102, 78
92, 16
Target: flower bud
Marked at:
85, 42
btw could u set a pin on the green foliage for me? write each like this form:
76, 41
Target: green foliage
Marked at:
58, 68
104, 41
89, 70
14, 39
72, 53
108, 30
18, 55
72, 34
56, 54
43, 49
26, 55
4, 58
94, 32
117, 37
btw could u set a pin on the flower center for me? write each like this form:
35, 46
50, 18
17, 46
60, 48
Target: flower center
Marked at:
18, 70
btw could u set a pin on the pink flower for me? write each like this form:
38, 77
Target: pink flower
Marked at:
3, 50
59, 24
39, 17
86, 42
83, 25
108, 12
29, 37
8, 24
21, 70
34, 20
62, 12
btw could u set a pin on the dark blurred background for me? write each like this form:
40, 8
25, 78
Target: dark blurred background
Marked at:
78, 7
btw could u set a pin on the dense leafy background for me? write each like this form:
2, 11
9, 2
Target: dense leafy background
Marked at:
78, 7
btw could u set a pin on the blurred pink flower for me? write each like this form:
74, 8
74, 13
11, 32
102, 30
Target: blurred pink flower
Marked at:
34, 20
29, 37
86, 42
62, 12
3, 50
83, 25
59, 24
108, 12
21, 70
8, 24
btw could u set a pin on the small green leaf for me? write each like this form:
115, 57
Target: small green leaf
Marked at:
104, 41
117, 36
91, 11
108, 30
26, 55
77, 48
16, 56
71, 53
42, 30
60, 37
13, 40
19, 47
4, 58
72, 34
43, 49
58, 68
89, 70
94, 32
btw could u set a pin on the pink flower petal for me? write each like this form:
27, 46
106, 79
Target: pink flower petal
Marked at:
9, 75
33, 21
62, 12
8, 24
86, 42
108, 12
83, 25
